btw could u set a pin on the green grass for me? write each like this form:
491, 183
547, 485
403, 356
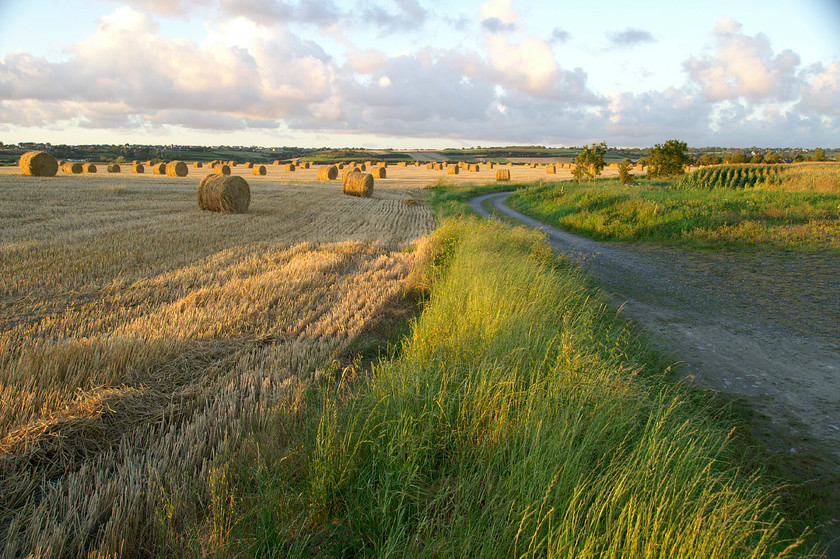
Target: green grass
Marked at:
520, 418
452, 200
654, 211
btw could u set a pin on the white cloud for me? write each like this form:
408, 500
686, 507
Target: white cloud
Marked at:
821, 91
502, 10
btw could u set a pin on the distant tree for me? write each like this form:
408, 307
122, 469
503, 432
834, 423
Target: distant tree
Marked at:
772, 158
757, 158
819, 154
838, 157
642, 162
735, 157
578, 173
668, 159
624, 174
591, 160
798, 158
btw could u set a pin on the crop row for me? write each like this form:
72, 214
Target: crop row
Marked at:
731, 177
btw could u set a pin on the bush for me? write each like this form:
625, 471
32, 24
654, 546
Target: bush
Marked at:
624, 174
667, 160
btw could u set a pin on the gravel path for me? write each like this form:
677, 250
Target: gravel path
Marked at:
762, 328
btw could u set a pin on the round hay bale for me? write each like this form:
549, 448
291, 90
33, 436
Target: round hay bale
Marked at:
290, 166
198, 165
363, 167
249, 165
276, 162
510, 164
430, 165
88, 168
502, 174
148, 163
368, 163
378, 172
347, 171
221, 169
258, 170
224, 193
402, 164
137, 168
550, 170
438, 166
38, 164
176, 169
452, 169
159, 169
72, 168
340, 166
305, 165
383, 164
327, 173
213, 163
489, 165
113, 168
358, 184
232, 163
474, 168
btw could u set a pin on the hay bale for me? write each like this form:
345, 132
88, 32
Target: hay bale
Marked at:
249, 165
113, 168
430, 165
327, 172
232, 163
224, 193
438, 167
452, 169
489, 165
159, 169
510, 164
502, 174
358, 184
402, 164
221, 169
88, 168
276, 162
340, 166
368, 163
290, 166
176, 169
474, 168
362, 167
38, 164
378, 172
305, 165
550, 170
197, 165
347, 171
383, 164
72, 168
258, 170
137, 168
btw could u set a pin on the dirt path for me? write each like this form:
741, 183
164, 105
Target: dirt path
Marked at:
762, 328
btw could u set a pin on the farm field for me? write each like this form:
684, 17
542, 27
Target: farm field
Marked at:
141, 337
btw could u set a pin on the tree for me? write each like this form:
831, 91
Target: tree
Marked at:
772, 158
819, 154
735, 157
757, 158
624, 174
798, 158
590, 161
668, 159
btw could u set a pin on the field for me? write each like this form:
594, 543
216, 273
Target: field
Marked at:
176, 382
141, 336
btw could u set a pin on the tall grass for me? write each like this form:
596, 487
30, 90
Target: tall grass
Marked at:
521, 418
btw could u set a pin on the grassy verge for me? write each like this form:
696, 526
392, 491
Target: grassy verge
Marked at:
521, 418
652, 211
452, 200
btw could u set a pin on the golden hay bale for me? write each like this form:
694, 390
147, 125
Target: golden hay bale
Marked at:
363, 166
198, 165
276, 162
290, 166
402, 164
72, 168
378, 172
368, 163
88, 168
438, 166
137, 168
148, 163
340, 166
327, 172
474, 168
452, 169
383, 164
221, 169
305, 165
347, 171
550, 170
489, 165
113, 168
159, 169
232, 163
502, 174
249, 165
258, 170
510, 164
358, 184
38, 164
430, 165
176, 169
224, 193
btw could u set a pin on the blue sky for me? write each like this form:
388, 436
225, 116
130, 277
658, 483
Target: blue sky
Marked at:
419, 74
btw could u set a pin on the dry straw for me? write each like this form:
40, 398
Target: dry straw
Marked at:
502, 174
89, 168
176, 169
197, 165
290, 166
258, 170
358, 184
452, 169
489, 165
378, 172
113, 168
550, 170
347, 171
276, 162
137, 168
249, 165
159, 169
38, 164
224, 193
72, 168
221, 169
430, 165
438, 166
363, 166
473, 168
327, 172
305, 165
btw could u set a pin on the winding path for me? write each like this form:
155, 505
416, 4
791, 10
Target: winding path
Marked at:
757, 327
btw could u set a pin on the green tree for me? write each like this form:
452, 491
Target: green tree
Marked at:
798, 158
624, 174
590, 161
772, 158
838, 157
735, 157
757, 158
668, 159
819, 154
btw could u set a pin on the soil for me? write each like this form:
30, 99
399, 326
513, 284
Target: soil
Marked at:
759, 328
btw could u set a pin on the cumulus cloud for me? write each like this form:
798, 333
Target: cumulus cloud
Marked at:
744, 67
821, 90
499, 10
495, 25
630, 37
559, 36
409, 15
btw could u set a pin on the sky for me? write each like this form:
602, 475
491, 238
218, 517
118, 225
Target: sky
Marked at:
420, 74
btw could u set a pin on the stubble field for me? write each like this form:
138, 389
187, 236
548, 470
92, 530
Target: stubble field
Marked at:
140, 336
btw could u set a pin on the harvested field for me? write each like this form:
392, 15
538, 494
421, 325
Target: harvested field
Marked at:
140, 337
